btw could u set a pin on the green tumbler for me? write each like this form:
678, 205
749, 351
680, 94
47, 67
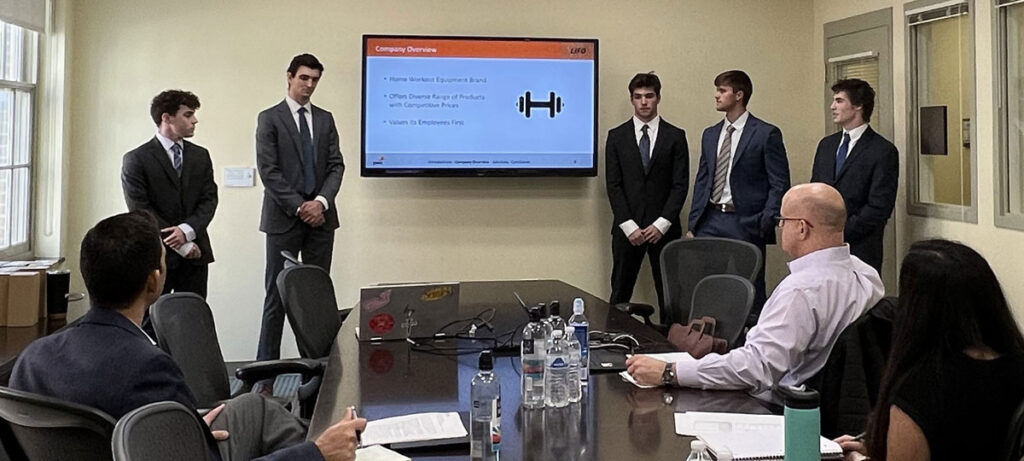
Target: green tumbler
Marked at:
802, 417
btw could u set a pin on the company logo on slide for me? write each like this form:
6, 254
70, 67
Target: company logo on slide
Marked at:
553, 104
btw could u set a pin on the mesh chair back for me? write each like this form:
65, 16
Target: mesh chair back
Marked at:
185, 330
160, 431
685, 262
728, 299
307, 294
37, 427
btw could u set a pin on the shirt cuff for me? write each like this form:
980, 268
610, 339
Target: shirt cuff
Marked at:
185, 249
323, 201
662, 224
629, 227
190, 233
686, 374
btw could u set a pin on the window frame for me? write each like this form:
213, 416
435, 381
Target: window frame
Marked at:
24, 250
916, 207
1004, 217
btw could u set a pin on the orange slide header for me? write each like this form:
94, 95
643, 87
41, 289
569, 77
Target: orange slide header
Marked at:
451, 48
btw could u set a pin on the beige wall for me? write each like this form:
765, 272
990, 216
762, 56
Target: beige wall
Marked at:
1003, 248
233, 54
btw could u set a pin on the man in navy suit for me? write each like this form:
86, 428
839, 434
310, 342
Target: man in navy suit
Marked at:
647, 170
742, 175
106, 361
172, 179
300, 164
862, 165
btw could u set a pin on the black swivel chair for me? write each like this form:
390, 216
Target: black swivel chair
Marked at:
685, 262
42, 428
728, 299
185, 330
307, 294
160, 431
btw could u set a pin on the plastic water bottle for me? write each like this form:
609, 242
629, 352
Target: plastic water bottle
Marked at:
698, 451
556, 373
555, 319
582, 327
485, 417
546, 321
575, 388
532, 355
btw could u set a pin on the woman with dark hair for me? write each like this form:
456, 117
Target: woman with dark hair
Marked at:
956, 370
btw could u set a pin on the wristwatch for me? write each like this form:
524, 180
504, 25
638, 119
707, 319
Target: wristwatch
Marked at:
668, 377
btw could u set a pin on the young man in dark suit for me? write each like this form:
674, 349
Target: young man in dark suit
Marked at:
172, 179
300, 164
106, 361
862, 165
742, 175
647, 170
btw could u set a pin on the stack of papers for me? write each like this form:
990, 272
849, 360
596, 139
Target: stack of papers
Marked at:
414, 428
379, 453
749, 437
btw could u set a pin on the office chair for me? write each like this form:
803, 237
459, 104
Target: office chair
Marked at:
726, 298
37, 427
185, 330
307, 294
685, 262
160, 431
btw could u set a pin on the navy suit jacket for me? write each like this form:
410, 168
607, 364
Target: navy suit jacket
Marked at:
278, 157
150, 183
661, 191
106, 362
759, 178
868, 183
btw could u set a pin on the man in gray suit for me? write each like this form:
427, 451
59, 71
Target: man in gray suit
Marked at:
301, 167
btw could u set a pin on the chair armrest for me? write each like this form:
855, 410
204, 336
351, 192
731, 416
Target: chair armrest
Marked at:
268, 369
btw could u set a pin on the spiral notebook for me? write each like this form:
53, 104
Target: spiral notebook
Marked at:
749, 437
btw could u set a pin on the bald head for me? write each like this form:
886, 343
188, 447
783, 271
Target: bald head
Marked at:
820, 217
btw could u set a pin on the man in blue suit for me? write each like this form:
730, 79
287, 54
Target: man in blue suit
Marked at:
742, 175
105, 360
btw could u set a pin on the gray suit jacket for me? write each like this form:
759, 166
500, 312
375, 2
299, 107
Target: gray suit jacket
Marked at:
280, 163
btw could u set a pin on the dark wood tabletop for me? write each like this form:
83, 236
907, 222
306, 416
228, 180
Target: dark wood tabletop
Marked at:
616, 420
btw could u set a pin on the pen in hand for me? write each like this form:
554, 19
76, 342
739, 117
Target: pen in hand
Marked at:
359, 433
860, 437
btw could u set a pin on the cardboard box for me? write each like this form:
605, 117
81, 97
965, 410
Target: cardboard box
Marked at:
24, 290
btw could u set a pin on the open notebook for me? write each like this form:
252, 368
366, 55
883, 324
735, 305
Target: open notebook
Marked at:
749, 437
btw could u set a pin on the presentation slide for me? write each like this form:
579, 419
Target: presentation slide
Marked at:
433, 103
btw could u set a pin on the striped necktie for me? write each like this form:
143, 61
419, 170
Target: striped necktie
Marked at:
722, 165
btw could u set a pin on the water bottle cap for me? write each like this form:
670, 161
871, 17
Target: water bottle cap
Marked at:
543, 309
535, 314
801, 398
697, 444
569, 330
556, 334
555, 308
486, 361
577, 306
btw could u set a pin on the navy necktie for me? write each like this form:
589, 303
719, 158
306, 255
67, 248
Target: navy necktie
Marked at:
645, 148
176, 162
844, 149
308, 176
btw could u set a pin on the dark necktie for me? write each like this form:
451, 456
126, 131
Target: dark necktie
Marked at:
844, 148
645, 148
308, 176
176, 161
722, 166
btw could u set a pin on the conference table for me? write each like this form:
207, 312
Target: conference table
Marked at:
616, 420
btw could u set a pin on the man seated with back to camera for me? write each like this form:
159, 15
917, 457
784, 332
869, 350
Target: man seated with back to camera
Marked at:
826, 290
107, 362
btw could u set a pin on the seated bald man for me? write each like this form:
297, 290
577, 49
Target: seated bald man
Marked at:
826, 290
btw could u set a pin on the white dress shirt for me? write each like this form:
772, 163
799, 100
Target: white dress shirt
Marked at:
190, 233
738, 125
825, 291
661, 223
855, 135
294, 106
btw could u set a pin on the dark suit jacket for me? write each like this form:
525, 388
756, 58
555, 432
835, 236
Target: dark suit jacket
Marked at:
759, 178
105, 361
150, 183
644, 197
278, 155
868, 183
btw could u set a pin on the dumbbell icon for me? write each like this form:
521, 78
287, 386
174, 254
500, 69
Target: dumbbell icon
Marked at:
553, 104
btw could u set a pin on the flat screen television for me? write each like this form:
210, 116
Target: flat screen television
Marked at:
479, 106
